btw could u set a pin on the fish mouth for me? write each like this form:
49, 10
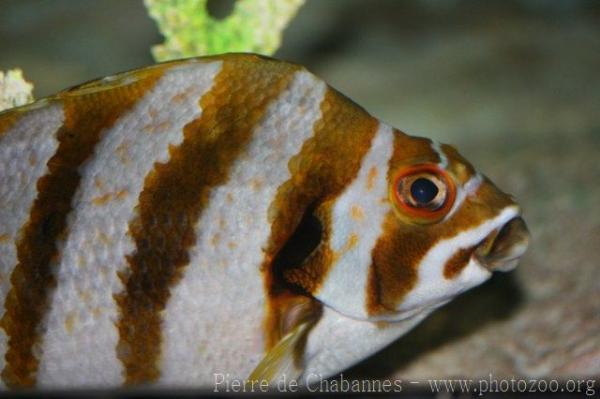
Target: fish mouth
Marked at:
502, 248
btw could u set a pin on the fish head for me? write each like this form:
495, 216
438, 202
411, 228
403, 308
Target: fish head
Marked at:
427, 228
449, 228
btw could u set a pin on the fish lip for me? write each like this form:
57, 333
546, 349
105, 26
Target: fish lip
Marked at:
502, 249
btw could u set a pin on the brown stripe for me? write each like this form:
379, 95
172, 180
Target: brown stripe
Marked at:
175, 194
395, 258
7, 120
458, 261
402, 244
327, 163
86, 118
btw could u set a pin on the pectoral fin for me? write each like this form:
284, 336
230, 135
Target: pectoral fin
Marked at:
284, 359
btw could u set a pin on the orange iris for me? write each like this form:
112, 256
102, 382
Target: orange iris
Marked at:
433, 204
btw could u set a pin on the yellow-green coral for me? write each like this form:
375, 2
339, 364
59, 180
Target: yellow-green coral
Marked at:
14, 90
254, 26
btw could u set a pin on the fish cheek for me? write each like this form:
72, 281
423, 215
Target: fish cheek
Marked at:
395, 261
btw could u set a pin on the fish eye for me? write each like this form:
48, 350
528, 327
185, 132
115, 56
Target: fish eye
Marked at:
423, 192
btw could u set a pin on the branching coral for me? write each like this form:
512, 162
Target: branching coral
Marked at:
14, 90
253, 26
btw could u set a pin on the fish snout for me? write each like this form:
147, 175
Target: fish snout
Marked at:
502, 249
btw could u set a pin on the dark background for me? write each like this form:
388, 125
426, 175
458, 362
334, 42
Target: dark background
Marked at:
514, 84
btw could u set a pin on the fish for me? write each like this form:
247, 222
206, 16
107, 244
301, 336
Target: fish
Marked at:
227, 218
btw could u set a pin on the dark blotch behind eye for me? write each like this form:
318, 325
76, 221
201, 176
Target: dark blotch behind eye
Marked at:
423, 191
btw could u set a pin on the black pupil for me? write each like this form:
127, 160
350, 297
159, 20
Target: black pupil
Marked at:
423, 191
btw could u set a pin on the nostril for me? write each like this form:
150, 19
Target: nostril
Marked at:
503, 248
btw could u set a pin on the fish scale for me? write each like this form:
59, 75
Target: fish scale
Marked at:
226, 217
